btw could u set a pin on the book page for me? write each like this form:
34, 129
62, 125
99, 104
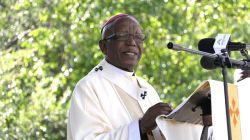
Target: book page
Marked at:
190, 110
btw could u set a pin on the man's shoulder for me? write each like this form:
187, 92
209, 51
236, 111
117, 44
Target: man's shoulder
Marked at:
91, 77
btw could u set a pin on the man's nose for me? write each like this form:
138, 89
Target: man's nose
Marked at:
131, 40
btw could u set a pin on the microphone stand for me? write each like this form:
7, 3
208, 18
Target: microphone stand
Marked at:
225, 63
244, 65
245, 54
224, 73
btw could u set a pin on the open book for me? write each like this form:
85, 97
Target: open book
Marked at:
190, 110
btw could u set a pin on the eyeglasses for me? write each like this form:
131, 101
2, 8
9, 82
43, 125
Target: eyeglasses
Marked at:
119, 36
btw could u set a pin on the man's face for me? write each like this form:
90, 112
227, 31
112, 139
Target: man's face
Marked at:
124, 52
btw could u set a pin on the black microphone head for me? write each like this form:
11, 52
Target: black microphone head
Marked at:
208, 63
206, 45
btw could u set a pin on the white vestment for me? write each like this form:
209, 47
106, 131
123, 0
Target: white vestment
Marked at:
99, 112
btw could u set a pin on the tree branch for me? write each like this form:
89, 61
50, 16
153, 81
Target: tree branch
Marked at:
15, 39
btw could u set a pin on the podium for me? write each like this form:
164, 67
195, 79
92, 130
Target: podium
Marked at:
185, 121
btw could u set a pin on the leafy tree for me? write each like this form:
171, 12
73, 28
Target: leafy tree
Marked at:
47, 46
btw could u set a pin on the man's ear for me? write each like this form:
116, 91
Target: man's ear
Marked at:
103, 47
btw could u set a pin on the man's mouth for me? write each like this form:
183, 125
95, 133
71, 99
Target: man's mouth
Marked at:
131, 53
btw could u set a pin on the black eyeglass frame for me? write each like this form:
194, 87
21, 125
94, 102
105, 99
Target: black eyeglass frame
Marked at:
115, 36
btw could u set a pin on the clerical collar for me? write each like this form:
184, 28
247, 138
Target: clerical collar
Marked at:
118, 70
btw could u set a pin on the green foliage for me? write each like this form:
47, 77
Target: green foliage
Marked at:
47, 46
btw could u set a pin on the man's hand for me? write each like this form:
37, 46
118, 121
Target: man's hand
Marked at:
147, 122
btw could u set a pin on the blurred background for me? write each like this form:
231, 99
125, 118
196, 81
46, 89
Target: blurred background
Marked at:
46, 46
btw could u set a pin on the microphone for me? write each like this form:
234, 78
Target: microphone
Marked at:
209, 63
206, 45
213, 63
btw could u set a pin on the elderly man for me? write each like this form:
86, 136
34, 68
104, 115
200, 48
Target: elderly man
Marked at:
111, 102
